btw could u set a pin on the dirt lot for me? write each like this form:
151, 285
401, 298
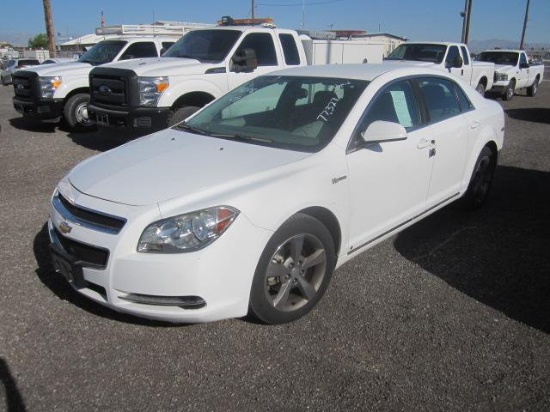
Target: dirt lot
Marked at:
453, 314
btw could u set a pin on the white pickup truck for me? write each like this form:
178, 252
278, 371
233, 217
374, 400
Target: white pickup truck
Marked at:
54, 91
513, 72
451, 57
146, 95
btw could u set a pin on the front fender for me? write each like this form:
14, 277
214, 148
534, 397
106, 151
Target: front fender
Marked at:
190, 85
69, 85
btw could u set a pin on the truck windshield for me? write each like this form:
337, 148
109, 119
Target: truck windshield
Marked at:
419, 52
103, 52
285, 112
507, 58
204, 45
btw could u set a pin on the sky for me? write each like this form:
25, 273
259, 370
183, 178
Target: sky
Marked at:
414, 19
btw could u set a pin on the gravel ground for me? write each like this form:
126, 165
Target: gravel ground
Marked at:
452, 314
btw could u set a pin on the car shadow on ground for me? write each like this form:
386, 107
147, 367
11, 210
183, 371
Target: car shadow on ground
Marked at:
100, 139
10, 395
32, 126
61, 288
534, 114
498, 255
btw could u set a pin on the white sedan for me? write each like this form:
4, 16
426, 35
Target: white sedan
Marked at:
250, 205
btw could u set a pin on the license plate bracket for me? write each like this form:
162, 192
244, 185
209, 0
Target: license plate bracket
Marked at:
102, 119
68, 266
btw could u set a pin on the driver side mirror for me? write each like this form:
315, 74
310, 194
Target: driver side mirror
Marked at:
382, 131
244, 61
456, 63
524, 65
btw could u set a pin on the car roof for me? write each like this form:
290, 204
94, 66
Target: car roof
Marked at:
367, 72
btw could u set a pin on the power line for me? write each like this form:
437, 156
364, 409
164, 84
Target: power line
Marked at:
299, 4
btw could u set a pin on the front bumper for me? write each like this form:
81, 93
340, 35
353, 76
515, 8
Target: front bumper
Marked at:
207, 285
138, 119
41, 109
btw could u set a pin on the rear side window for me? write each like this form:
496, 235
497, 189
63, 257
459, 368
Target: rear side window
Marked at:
140, 49
262, 44
290, 50
439, 97
465, 55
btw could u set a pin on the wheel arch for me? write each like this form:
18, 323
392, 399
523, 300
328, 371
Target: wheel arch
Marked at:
199, 99
329, 220
81, 90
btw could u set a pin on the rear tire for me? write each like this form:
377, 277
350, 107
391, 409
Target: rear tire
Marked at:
293, 272
533, 89
76, 113
481, 180
179, 115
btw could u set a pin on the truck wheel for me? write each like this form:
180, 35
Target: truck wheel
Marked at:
533, 89
76, 113
179, 115
509, 92
480, 88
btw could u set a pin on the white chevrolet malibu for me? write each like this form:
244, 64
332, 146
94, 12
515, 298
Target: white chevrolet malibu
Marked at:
250, 205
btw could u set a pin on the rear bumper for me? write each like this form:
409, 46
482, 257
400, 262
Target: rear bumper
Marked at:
142, 119
41, 110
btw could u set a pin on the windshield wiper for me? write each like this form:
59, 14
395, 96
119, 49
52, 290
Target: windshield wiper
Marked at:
192, 129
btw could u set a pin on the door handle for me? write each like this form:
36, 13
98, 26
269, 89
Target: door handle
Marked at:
422, 144
474, 125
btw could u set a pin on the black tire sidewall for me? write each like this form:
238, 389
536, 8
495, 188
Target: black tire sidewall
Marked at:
69, 112
180, 114
259, 305
469, 200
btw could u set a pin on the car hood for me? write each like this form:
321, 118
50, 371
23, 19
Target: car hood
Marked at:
162, 66
412, 63
61, 69
171, 164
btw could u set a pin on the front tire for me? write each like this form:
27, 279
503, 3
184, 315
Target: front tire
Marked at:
481, 180
76, 113
293, 272
509, 92
533, 89
179, 115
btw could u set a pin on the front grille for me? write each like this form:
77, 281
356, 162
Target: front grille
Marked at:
26, 85
111, 223
88, 255
113, 88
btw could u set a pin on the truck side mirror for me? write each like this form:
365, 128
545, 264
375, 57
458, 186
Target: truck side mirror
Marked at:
458, 62
524, 65
244, 61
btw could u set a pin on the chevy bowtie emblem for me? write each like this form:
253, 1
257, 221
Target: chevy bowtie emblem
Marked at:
65, 228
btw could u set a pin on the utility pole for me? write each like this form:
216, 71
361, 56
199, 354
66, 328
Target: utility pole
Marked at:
522, 44
466, 21
253, 7
49, 27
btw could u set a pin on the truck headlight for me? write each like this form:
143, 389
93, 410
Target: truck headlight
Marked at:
188, 232
150, 90
48, 86
499, 77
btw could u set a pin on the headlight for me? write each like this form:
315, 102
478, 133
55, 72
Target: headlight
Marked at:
48, 86
499, 77
188, 232
150, 90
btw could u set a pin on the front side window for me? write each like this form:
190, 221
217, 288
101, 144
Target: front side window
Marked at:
288, 112
396, 103
262, 44
439, 97
140, 50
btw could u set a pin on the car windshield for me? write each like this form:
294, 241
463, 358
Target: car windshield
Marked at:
288, 112
204, 45
506, 58
103, 52
419, 52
